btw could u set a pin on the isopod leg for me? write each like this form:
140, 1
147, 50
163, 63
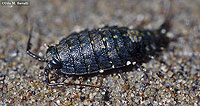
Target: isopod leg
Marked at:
46, 74
29, 48
68, 84
140, 67
106, 96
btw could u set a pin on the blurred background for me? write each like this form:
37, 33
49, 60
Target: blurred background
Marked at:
174, 82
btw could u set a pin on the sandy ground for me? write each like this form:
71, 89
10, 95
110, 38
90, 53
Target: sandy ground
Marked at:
174, 82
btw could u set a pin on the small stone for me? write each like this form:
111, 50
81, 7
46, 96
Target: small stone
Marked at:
132, 95
143, 85
70, 103
170, 74
164, 68
58, 102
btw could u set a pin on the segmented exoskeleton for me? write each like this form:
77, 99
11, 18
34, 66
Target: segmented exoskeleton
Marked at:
102, 49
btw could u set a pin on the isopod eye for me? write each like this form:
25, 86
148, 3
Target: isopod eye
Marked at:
55, 64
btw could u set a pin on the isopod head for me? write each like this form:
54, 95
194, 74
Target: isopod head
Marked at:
53, 58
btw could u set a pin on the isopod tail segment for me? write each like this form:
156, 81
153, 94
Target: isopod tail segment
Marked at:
48, 68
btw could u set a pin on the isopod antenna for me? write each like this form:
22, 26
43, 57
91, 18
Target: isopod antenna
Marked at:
166, 26
162, 40
41, 59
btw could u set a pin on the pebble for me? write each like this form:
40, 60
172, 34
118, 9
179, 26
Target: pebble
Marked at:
170, 74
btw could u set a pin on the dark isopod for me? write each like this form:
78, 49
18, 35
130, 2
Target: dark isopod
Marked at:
102, 49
